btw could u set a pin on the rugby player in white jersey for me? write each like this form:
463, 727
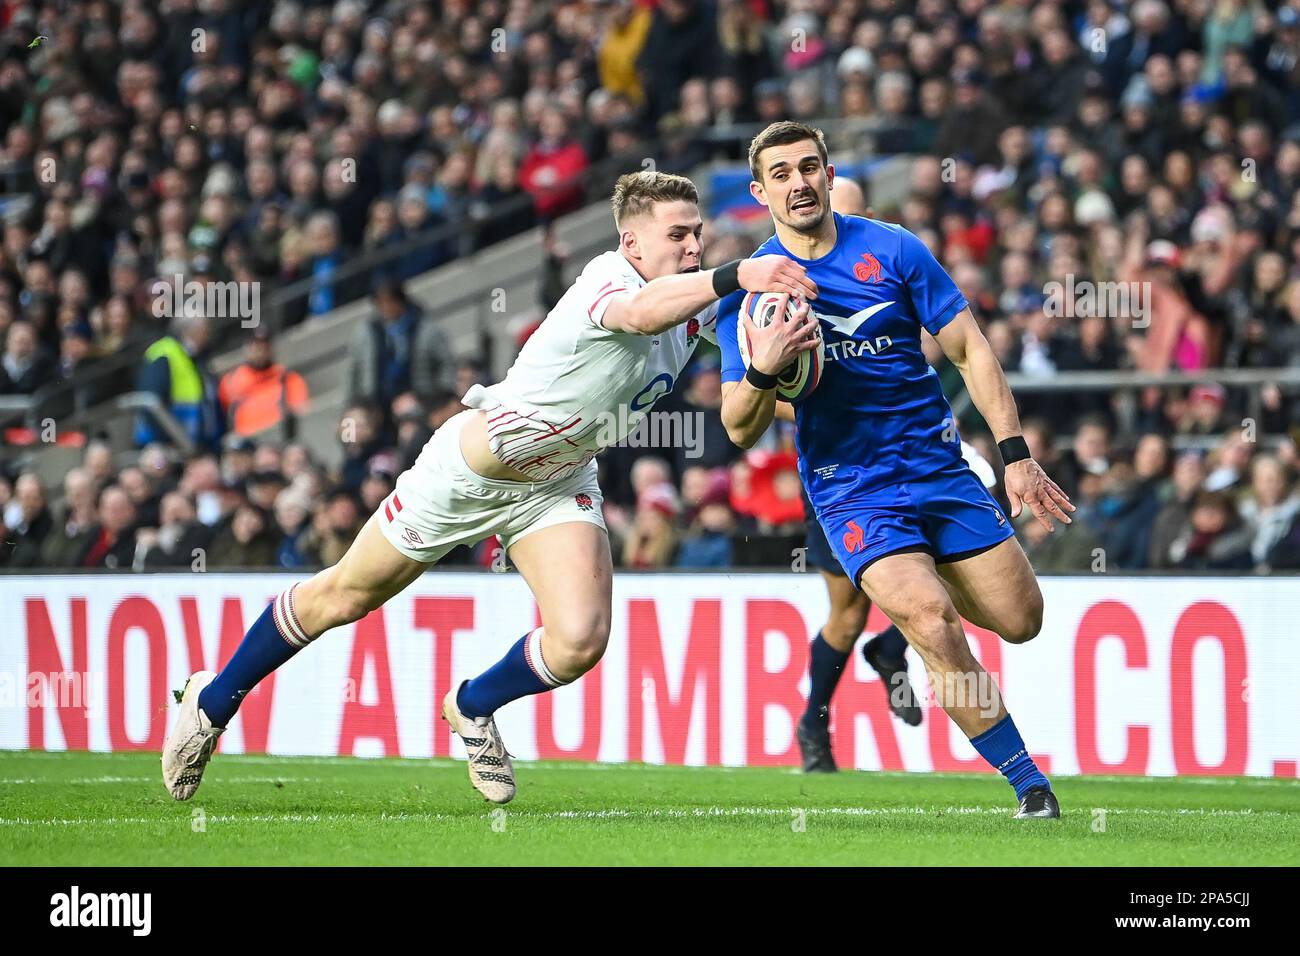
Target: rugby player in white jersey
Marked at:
518, 464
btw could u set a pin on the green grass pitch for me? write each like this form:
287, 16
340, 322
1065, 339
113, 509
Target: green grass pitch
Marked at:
80, 809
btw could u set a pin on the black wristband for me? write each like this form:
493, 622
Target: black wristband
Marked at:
760, 380
1013, 449
726, 278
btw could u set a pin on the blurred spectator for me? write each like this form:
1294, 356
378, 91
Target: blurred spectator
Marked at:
1090, 454
652, 540
324, 263
139, 488
333, 528
112, 541
201, 481
261, 393
1070, 548
292, 514
1214, 537
175, 369
76, 359
237, 457
416, 219
705, 442
375, 487
1185, 483
26, 523
400, 349
1270, 508
682, 43
469, 372
552, 170
771, 492
626, 27
709, 519
263, 488
504, 209
1203, 413
180, 538
71, 536
246, 541
26, 366
98, 462
974, 121
1131, 503
1229, 463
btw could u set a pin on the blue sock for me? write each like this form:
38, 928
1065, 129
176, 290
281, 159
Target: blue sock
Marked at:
889, 644
520, 673
1003, 748
263, 649
825, 665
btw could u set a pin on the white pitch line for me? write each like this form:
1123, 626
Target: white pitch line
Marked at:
581, 765
614, 813
152, 779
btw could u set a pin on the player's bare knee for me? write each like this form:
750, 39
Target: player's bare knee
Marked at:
1026, 624
577, 646
843, 629
334, 605
935, 629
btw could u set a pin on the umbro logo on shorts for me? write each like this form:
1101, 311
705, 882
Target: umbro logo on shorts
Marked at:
412, 537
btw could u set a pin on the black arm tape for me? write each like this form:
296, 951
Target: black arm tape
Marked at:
760, 380
726, 278
1013, 449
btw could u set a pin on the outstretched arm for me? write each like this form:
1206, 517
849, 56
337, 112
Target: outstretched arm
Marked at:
1025, 481
667, 301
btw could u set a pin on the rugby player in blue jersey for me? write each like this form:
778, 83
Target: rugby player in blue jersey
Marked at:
879, 452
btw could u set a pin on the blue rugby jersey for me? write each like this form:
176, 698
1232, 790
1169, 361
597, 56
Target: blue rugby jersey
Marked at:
878, 418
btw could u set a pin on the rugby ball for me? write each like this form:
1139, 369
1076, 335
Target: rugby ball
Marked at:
798, 379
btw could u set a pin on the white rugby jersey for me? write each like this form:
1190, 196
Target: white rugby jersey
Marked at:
576, 387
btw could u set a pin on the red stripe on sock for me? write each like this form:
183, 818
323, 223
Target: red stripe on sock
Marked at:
293, 615
281, 628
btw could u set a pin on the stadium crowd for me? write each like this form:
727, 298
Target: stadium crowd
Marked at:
1156, 142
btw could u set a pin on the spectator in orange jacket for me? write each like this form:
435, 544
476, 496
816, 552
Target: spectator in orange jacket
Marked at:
256, 394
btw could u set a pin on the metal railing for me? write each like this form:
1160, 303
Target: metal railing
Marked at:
1126, 382
86, 421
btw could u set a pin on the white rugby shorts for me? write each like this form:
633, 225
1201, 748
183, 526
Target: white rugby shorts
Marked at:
439, 502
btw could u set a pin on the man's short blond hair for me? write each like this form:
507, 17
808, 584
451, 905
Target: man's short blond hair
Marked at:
635, 194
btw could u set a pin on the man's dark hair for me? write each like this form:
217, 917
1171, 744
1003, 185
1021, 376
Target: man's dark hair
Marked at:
390, 289
783, 134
